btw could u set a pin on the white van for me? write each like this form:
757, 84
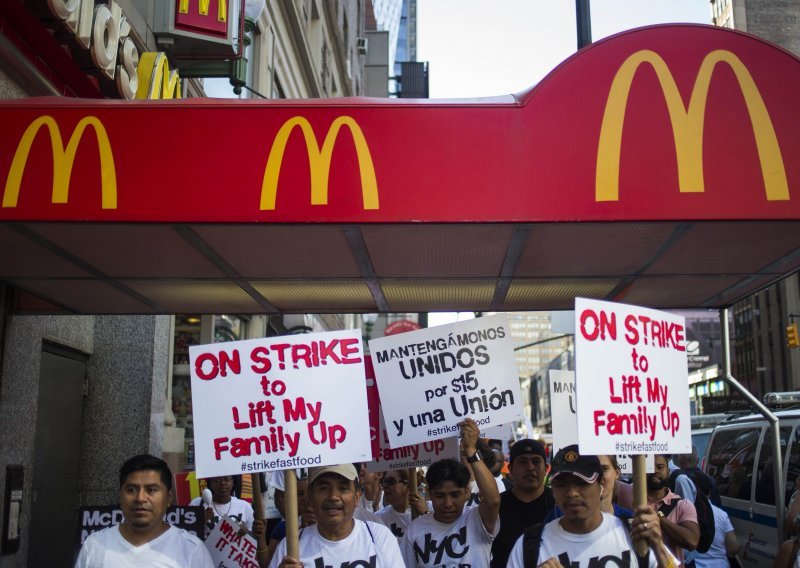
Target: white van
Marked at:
739, 458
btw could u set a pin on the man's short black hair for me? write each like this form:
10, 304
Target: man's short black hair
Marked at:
146, 462
447, 470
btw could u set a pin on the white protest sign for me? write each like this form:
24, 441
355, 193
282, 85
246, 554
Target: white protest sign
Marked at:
565, 420
562, 409
228, 549
415, 455
503, 433
631, 379
279, 403
625, 464
432, 379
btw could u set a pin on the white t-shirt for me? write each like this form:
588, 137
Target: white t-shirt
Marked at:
364, 515
465, 541
397, 522
367, 505
369, 544
717, 555
236, 509
609, 544
474, 495
176, 548
277, 479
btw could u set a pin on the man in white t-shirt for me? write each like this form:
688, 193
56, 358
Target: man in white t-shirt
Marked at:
338, 539
397, 514
455, 535
145, 538
224, 504
585, 536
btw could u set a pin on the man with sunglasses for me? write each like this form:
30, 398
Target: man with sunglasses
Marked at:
396, 492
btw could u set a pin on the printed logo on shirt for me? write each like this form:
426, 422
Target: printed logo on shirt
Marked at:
474, 500
319, 562
216, 518
454, 546
397, 530
608, 561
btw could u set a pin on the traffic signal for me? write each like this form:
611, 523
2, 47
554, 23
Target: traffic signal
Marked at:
792, 338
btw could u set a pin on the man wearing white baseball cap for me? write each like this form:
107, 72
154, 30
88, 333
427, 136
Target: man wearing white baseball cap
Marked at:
585, 536
338, 539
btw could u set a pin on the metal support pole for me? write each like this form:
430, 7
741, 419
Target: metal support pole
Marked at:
584, 21
766, 413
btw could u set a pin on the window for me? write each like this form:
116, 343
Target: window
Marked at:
793, 465
765, 475
731, 459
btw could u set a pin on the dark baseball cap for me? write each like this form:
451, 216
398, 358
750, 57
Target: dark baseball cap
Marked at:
526, 446
570, 460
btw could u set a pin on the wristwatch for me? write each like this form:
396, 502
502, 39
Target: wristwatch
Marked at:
474, 457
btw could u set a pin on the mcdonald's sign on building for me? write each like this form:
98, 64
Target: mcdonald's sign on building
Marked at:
687, 125
654, 133
200, 28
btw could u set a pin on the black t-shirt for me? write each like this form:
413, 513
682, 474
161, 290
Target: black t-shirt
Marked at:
515, 517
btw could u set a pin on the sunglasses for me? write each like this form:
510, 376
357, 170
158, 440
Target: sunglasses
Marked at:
391, 481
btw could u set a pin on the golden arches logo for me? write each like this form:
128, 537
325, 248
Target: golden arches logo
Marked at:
687, 125
156, 81
319, 162
202, 8
63, 159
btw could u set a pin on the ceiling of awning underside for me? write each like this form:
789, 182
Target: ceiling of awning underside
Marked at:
91, 268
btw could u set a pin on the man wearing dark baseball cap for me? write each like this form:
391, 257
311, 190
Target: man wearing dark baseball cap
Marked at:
338, 539
585, 536
527, 503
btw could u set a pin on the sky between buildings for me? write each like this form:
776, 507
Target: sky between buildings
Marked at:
479, 48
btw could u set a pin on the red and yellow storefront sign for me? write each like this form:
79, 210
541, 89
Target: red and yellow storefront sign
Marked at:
662, 123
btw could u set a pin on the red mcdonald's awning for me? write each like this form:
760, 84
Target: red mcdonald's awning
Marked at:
657, 167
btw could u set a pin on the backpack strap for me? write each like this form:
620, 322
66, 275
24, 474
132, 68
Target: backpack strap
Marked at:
674, 476
369, 530
665, 509
531, 542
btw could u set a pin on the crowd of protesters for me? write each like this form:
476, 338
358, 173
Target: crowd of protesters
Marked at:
573, 512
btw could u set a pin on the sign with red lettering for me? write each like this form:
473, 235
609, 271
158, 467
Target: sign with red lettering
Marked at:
432, 379
279, 403
415, 455
229, 549
631, 379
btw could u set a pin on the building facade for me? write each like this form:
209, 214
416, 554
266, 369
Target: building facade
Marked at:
79, 394
764, 362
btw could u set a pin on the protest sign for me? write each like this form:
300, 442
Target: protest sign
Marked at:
565, 420
432, 379
413, 456
625, 464
374, 405
631, 379
502, 433
279, 403
96, 518
229, 549
562, 409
